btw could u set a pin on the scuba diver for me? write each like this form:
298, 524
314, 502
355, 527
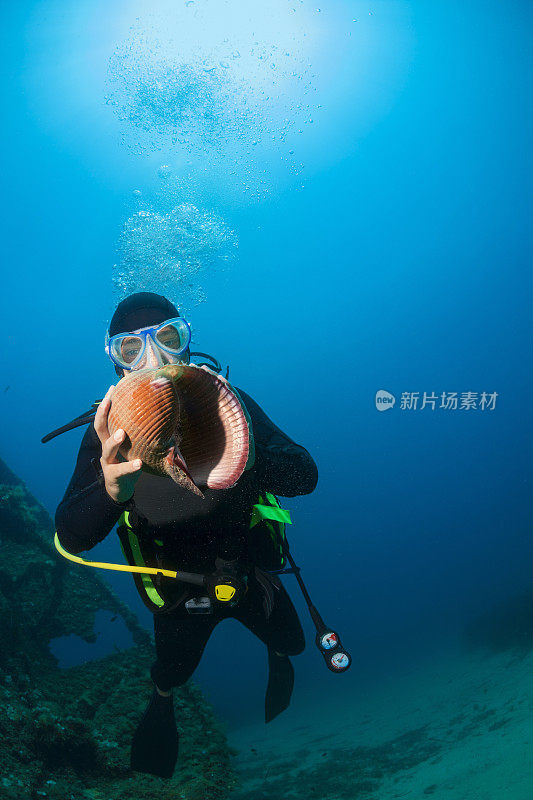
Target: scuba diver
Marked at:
230, 533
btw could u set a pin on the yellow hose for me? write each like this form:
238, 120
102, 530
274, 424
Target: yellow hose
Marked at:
118, 567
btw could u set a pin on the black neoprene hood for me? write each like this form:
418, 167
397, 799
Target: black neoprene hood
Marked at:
140, 310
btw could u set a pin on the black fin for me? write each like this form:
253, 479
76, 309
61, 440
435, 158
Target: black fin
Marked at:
280, 685
154, 747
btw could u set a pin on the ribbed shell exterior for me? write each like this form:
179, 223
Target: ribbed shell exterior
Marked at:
190, 407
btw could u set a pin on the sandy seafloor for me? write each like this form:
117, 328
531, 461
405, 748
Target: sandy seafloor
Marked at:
457, 726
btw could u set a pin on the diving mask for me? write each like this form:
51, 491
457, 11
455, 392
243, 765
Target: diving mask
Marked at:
127, 349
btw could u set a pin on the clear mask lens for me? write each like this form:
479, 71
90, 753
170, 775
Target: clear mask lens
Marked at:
127, 348
173, 337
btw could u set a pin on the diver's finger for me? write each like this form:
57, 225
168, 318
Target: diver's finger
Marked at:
100, 418
110, 447
125, 468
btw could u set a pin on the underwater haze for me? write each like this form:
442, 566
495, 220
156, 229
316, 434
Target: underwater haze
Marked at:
338, 197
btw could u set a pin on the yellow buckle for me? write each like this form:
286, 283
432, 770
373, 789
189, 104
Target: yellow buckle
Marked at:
224, 592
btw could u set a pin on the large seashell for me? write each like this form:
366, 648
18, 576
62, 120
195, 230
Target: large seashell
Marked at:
182, 421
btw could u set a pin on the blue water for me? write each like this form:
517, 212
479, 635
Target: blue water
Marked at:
339, 198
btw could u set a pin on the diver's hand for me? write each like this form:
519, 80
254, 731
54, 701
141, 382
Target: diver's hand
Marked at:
120, 476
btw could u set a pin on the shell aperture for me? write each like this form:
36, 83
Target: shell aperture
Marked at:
184, 422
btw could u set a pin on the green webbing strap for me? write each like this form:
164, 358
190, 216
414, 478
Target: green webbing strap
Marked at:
147, 582
271, 511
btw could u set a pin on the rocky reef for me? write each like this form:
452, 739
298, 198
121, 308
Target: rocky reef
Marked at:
65, 733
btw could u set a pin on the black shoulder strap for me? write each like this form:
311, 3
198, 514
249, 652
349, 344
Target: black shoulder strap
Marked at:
83, 419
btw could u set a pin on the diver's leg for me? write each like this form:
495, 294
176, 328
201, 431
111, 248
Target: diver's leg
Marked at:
180, 640
283, 635
282, 630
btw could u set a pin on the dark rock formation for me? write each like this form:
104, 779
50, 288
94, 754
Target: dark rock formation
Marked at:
65, 733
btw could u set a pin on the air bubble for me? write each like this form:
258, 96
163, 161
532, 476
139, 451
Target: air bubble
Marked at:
165, 252
191, 105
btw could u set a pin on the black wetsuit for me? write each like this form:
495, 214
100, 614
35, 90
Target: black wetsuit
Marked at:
194, 532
